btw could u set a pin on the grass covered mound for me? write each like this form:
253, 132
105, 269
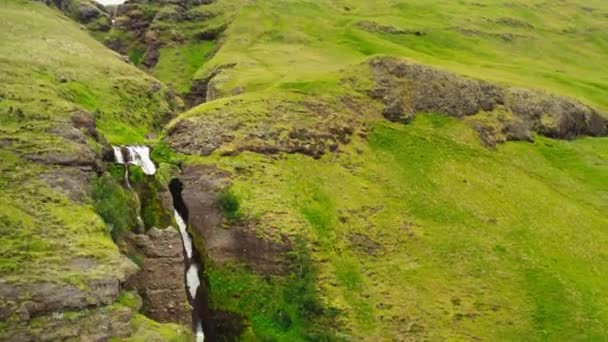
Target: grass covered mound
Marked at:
522, 43
372, 174
414, 227
420, 230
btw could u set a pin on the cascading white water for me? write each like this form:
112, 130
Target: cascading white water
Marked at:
136, 155
185, 236
199, 335
192, 279
140, 155
118, 155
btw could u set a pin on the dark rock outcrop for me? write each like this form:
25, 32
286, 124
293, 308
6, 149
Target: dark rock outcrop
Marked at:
555, 116
100, 324
85, 12
407, 88
75, 150
34, 299
309, 126
374, 27
237, 243
203, 89
72, 181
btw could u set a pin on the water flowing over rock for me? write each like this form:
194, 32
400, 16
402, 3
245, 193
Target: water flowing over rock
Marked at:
118, 155
140, 155
192, 277
185, 237
135, 155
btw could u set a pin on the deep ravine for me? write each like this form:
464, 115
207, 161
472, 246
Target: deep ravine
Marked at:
140, 155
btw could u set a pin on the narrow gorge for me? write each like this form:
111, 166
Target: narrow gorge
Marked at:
139, 156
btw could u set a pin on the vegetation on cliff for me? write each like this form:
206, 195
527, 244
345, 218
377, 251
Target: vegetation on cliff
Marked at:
351, 169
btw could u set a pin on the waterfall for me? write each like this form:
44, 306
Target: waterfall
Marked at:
193, 280
135, 155
199, 336
140, 155
118, 155
185, 236
120, 159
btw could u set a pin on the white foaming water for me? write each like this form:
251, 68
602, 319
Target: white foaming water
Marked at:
192, 279
200, 336
120, 159
187, 241
118, 154
136, 155
140, 156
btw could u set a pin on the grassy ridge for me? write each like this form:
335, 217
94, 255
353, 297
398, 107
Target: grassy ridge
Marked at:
48, 72
418, 230
524, 43
50, 67
423, 232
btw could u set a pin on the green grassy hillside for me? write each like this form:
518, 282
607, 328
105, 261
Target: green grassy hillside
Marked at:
555, 46
59, 267
422, 232
415, 231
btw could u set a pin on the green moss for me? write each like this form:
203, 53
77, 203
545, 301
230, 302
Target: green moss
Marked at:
230, 205
136, 54
414, 230
130, 299
115, 205
153, 213
281, 307
318, 210
127, 102
162, 153
435, 215
145, 329
178, 64
136, 174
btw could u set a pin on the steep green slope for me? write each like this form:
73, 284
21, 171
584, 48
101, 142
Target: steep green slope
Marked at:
170, 40
422, 232
336, 188
62, 94
414, 231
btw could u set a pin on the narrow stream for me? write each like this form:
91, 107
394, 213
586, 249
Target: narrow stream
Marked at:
140, 155
192, 275
135, 155
193, 260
